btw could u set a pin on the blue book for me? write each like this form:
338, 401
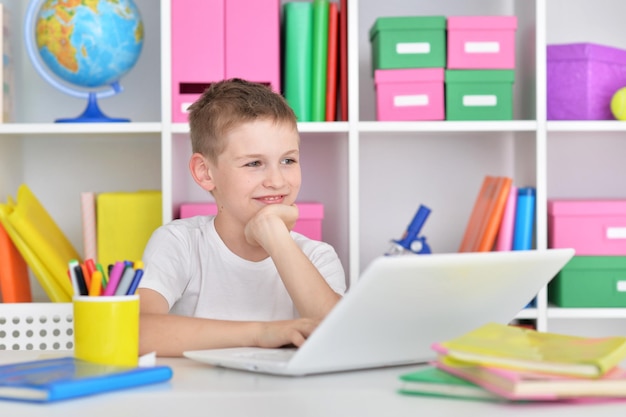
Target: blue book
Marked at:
524, 219
58, 379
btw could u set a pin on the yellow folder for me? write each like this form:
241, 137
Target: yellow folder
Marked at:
41, 242
125, 222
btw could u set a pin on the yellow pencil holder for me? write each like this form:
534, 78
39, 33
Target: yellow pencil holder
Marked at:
106, 329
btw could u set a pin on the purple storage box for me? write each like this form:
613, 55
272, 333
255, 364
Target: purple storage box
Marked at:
582, 78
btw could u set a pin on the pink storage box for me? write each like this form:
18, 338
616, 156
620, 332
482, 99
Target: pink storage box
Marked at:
591, 227
582, 78
481, 42
197, 51
253, 41
410, 94
217, 39
309, 223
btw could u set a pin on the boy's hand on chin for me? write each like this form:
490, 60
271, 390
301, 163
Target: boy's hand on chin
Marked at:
269, 219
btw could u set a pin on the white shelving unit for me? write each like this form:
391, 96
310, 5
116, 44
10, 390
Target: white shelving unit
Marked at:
371, 176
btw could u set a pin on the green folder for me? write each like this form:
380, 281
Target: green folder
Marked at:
432, 381
298, 35
320, 57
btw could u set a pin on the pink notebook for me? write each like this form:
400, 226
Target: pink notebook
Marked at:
534, 386
505, 234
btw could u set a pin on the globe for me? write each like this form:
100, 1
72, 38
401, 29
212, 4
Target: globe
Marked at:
83, 48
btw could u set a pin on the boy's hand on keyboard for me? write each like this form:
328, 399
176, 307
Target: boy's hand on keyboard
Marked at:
273, 334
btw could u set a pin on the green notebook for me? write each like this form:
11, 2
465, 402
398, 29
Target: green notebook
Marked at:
298, 36
320, 57
432, 381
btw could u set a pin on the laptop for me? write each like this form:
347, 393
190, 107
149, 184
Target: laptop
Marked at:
401, 305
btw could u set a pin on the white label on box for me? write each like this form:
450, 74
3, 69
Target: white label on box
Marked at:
406, 101
621, 286
482, 47
184, 107
413, 48
480, 100
616, 233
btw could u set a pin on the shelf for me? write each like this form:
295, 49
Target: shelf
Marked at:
369, 175
586, 313
306, 127
445, 126
587, 126
78, 128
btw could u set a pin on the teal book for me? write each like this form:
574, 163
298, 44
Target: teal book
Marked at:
432, 381
320, 60
298, 57
49, 380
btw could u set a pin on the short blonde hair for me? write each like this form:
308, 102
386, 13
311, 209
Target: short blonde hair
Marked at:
227, 104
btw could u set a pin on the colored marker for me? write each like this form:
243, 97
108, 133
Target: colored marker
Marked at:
96, 284
114, 278
105, 277
80, 279
135, 283
86, 275
73, 277
91, 266
125, 281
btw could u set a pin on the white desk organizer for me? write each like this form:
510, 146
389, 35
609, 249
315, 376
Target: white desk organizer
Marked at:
36, 326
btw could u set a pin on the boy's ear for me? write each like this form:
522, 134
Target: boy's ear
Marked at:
201, 171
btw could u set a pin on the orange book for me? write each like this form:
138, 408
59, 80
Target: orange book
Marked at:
331, 72
494, 216
484, 222
14, 280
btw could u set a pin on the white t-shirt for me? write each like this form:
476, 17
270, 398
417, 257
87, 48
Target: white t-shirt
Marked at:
188, 263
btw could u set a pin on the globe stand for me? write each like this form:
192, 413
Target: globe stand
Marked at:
92, 114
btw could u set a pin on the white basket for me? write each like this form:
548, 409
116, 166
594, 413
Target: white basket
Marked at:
36, 326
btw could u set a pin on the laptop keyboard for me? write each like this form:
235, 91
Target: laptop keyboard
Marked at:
274, 355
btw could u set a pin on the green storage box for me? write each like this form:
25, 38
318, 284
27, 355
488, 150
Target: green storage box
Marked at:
408, 42
479, 94
590, 281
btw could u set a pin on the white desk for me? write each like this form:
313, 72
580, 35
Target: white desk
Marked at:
201, 390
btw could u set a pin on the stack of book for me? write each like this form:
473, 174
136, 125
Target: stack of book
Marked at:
510, 363
502, 218
315, 59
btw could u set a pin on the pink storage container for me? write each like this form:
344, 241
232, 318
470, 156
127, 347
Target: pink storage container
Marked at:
217, 39
309, 223
197, 51
481, 42
591, 227
410, 94
253, 41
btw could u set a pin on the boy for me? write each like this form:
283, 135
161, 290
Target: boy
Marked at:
240, 278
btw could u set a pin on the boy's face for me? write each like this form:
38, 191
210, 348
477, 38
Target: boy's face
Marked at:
260, 165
